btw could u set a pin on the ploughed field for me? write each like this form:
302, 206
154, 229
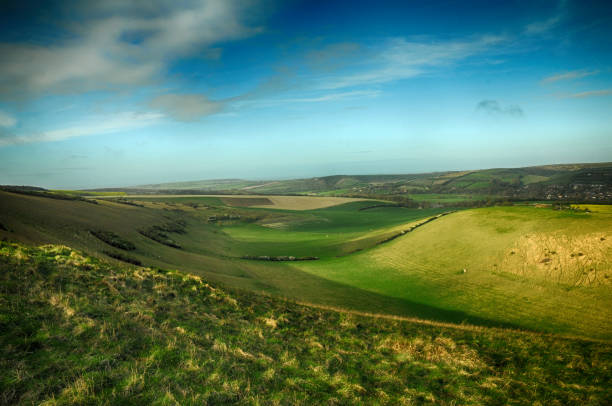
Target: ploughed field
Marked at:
519, 267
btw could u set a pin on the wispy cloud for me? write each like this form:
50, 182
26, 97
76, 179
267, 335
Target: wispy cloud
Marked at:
576, 74
401, 59
186, 107
102, 125
494, 107
118, 44
548, 24
321, 98
590, 93
356, 94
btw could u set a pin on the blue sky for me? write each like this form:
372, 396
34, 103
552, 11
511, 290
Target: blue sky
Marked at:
116, 94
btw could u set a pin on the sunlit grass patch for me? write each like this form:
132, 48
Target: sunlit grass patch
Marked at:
74, 330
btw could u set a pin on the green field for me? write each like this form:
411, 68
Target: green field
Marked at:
522, 263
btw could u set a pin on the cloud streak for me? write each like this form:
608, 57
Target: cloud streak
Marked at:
402, 59
576, 74
590, 93
545, 26
102, 125
335, 96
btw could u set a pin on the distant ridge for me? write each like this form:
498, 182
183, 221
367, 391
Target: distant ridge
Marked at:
583, 181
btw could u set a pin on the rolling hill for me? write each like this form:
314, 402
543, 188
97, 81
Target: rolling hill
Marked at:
585, 182
76, 330
523, 263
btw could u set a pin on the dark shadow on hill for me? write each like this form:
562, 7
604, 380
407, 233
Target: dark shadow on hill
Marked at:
39, 220
293, 284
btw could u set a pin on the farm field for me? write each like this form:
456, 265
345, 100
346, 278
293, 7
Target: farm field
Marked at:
268, 201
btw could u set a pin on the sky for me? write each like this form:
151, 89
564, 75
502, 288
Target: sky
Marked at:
115, 93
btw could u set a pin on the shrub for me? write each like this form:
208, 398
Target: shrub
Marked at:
123, 258
113, 239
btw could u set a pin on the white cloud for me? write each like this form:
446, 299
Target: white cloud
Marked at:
328, 97
402, 59
549, 24
94, 126
6, 120
185, 107
590, 93
540, 27
357, 94
576, 74
119, 44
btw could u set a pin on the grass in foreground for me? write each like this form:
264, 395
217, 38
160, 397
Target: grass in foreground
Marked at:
74, 330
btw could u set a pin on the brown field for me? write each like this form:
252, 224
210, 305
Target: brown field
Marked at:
266, 202
306, 202
246, 202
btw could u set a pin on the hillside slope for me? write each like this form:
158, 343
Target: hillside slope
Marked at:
74, 330
522, 266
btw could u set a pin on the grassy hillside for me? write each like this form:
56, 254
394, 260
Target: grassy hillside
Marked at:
523, 264
74, 330
209, 249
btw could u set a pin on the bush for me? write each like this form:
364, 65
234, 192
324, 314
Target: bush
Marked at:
123, 258
155, 233
113, 239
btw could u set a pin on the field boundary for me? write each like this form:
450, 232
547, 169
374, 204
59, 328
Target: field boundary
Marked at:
414, 227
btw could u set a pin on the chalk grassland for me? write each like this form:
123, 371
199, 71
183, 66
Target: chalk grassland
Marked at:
206, 248
269, 201
535, 268
75, 330
419, 274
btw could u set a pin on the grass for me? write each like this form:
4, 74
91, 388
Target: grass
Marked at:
416, 275
74, 330
323, 233
84, 193
426, 266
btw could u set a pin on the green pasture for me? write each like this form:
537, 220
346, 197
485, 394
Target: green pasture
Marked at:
419, 274
426, 266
